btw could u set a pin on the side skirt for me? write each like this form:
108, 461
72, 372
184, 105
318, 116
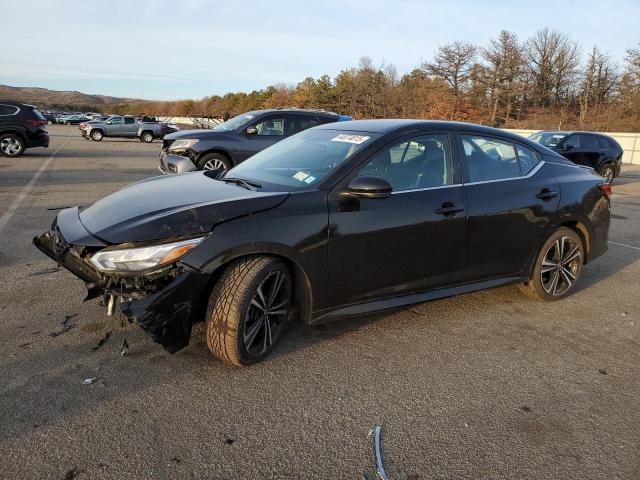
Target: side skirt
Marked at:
406, 300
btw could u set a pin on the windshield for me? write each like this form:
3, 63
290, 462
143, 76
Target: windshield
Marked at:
548, 139
235, 122
302, 160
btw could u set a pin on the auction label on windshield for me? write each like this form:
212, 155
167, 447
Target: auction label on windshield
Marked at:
356, 139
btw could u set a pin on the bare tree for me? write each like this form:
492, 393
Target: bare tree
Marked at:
553, 60
453, 63
599, 79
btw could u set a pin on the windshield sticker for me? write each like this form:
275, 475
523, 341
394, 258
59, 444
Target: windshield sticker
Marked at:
309, 179
356, 139
300, 176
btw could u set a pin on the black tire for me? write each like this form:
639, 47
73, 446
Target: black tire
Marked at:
214, 161
97, 135
11, 145
237, 330
563, 244
608, 172
146, 137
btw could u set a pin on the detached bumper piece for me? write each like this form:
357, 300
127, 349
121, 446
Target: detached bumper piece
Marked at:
164, 302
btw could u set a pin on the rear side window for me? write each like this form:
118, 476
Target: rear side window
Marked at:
572, 141
129, 120
489, 159
589, 142
307, 122
605, 144
38, 115
8, 109
527, 158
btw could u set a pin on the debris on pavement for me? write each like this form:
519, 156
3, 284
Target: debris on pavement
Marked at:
377, 431
46, 271
124, 350
102, 341
72, 474
66, 325
91, 381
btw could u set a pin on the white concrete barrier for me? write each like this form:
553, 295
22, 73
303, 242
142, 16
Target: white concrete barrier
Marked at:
630, 143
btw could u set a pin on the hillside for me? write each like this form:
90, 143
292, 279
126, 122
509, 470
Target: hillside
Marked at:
45, 98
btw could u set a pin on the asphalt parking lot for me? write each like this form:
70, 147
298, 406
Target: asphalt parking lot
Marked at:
486, 385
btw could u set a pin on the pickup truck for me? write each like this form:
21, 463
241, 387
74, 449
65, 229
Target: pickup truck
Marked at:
126, 127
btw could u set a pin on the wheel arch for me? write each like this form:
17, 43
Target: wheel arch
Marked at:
302, 292
15, 131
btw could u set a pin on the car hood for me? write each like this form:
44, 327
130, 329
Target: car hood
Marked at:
172, 206
202, 134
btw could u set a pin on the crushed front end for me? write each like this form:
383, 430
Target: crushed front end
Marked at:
163, 300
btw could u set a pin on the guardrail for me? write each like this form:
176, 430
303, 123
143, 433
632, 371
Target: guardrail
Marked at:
630, 143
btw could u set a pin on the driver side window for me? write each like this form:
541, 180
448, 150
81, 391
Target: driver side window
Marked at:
271, 127
115, 121
421, 162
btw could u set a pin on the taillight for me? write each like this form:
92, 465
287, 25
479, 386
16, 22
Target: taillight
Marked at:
37, 123
605, 188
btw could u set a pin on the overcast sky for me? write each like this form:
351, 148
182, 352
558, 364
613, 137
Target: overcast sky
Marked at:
170, 49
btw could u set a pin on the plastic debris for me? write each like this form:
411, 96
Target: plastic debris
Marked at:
124, 350
377, 431
102, 341
45, 271
66, 325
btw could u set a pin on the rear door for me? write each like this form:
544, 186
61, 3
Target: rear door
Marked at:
130, 127
510, 201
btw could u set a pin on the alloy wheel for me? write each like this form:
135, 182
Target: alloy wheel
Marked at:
214, 164
266, 313
607, 174
561, 265
10, 146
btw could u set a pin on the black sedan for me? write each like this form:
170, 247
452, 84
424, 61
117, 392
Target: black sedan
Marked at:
595, 150
340, 220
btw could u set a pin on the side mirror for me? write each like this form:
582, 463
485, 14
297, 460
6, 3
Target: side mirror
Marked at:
369, 186
251, 131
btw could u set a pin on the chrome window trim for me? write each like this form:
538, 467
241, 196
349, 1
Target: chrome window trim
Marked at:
533, 171
427, 188
9, 114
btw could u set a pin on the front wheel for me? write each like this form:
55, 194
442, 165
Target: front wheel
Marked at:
214, 161
96, 135
248, 309
557, 267
608, 173
11, 145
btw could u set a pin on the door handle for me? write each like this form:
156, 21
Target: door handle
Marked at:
448, 209
546, 194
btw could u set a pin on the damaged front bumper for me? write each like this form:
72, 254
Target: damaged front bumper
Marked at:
170, 163
165, 302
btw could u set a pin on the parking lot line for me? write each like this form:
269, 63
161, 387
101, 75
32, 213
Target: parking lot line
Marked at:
624, 245
4, 220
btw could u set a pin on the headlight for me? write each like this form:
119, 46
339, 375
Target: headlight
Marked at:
136, 259
183, 144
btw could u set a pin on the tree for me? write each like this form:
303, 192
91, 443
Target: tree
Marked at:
453, 63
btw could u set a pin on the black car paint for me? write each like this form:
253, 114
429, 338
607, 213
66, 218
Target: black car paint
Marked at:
22, 124
595, 158
236, 145
342, 249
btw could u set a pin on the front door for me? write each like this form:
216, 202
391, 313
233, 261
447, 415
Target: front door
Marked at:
270, 130
413, 240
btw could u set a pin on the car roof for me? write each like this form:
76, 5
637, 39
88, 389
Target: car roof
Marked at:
387, 125
297, 110
16, 104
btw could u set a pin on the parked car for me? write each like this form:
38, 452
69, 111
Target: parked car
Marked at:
21, 127
74, 119
49, 117
339, 220
595, 150
115, 126
150, 130
237, 139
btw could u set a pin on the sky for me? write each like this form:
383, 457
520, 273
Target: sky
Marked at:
175, 49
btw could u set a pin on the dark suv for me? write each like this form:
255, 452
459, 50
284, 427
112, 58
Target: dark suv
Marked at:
600, 152
21, 127
237, 139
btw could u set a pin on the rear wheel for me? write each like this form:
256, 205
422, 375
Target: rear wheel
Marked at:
214, 161
147, 137
97, 135
557, 267
608, 173
11, 145
248, 310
